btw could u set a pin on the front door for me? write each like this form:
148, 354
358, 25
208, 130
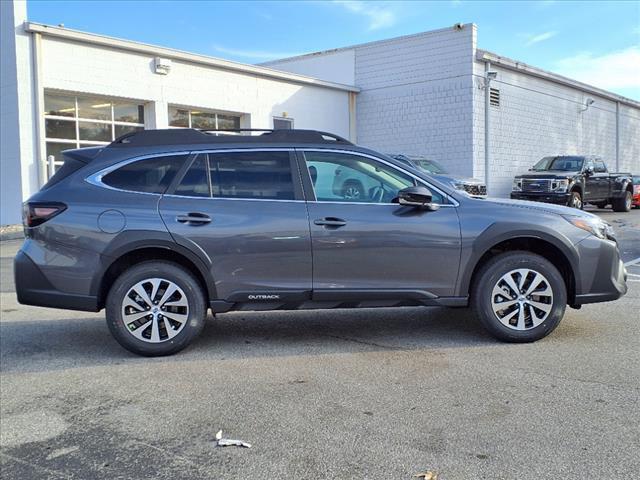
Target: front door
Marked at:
364, 243
244, 210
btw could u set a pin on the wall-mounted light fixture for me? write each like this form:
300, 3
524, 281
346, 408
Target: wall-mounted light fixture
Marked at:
162, 66
587, 103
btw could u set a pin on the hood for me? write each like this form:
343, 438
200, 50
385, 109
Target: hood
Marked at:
541, 207
449, 177
550, 174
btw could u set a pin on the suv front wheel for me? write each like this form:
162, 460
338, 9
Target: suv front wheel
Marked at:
519, 296
155, 308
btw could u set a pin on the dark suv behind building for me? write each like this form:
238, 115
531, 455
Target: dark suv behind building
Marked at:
160, 226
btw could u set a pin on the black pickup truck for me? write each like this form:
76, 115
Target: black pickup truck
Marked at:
574, 181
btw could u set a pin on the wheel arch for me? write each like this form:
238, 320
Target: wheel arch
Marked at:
545, 245
121, 257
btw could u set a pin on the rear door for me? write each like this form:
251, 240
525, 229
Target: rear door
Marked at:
367, 246
244, 211
602, 178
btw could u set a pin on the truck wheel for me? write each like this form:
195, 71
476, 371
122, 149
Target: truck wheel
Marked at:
575, 200
622, 204
155, 308
519, 296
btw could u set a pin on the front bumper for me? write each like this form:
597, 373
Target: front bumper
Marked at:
603, 276
33, 288
546, 197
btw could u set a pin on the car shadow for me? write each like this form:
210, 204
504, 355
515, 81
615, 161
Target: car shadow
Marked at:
45, 345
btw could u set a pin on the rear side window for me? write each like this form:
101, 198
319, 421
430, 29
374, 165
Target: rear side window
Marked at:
260, 175
195, 182
151, 175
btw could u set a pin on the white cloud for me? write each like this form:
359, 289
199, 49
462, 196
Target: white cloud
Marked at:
255, 54
379, 15
615, 70
541, 37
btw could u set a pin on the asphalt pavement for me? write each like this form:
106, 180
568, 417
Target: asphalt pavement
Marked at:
365, 394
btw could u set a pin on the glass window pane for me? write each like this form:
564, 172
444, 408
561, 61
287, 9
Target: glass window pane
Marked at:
264, 175
95, 108
195, 182
353, 178
61, 105
100, 132
60, 129
122, 129
178, 117
152, 175
56, 148
228, 122
128, 112
203, 120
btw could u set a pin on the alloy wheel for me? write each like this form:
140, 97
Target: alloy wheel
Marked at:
522, 299
351, 193
155, 310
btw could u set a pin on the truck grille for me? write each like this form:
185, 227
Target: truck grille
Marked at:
534, 185
475, 189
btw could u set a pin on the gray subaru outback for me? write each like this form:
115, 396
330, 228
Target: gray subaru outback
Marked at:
162, 225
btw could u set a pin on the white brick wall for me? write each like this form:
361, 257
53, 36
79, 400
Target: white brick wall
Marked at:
538, 117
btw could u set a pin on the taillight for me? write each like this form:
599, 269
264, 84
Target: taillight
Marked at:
35, 214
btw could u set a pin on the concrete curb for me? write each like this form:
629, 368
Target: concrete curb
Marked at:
11, 232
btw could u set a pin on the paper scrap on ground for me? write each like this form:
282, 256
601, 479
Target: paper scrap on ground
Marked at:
226, 442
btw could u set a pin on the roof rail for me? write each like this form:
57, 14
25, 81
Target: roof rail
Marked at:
180, 136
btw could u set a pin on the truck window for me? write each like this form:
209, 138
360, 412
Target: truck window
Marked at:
600, 167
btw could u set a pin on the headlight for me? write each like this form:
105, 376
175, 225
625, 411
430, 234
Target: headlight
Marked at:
595, 226
560, 185
517, 185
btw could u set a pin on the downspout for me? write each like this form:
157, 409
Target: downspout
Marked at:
617, 136
352, 117
38, 108
487, 123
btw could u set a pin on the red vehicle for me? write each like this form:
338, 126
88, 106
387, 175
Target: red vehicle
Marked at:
636, 191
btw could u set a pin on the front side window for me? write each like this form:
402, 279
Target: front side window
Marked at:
354, 178
151, 175
600, 167
254, 175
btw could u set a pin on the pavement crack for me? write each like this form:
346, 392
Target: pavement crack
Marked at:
362, 342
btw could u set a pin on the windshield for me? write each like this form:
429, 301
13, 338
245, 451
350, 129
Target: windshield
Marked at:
566, 164
428, 165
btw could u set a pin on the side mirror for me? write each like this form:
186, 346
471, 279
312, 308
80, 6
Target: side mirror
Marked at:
419, 197
589, 170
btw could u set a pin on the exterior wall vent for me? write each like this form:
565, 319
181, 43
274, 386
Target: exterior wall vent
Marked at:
494, 97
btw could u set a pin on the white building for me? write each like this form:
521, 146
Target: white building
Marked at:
425, 94
419, 94
66, 89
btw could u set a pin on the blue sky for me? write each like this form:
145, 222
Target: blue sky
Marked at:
595, 42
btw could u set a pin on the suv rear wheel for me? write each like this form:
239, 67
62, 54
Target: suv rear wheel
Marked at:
519, 297
155, 308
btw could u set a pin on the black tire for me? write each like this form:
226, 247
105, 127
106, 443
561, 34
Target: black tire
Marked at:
575, 200
353, 190
171, 272
488, 277
622, 204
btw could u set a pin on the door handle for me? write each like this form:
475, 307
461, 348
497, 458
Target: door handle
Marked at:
330, 222
194, 218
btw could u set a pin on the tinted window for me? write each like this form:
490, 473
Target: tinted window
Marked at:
152, 175
195, 182
599, 167
559, 163
354, 178
263, 175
